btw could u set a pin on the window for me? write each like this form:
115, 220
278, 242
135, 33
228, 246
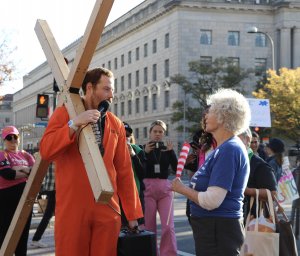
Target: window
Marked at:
129, 57
122, 83
129, 81
103, 65
129, 107
205, 60
7, 119
145, 132
137, 105
122, 60
260, 40
137, 78
145, 50
154, 102
154, 72
116, 85
145, 75
167, 99
234, 61
167, 71
109, 65
116, 109
116, 63
233, 38
205, 37
260, 66
137, 53
145, 103
167, 40
154, 46
122, 108
136, 133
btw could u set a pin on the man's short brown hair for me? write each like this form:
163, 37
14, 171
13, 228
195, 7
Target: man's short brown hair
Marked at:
93, 76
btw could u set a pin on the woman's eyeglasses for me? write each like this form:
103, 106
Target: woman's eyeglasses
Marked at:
11, 136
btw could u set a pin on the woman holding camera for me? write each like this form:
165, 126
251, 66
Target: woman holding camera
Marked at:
15, 166
158, 194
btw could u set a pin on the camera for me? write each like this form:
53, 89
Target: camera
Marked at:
158, 144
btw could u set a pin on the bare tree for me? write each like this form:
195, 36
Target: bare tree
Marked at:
7, 66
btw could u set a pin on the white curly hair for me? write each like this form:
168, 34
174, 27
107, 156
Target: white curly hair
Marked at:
231, 109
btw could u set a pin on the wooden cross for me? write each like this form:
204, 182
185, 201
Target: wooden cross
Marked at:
96, 171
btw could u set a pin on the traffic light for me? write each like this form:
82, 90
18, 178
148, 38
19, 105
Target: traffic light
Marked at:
256, 129
42, 106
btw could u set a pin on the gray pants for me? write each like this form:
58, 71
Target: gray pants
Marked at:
216, 236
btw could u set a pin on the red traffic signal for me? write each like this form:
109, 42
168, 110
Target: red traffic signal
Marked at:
42, 106
256, 129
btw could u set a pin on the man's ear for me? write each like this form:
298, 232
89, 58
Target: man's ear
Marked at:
89, 87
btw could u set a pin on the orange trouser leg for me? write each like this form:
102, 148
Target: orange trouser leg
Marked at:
92, 232
105, 233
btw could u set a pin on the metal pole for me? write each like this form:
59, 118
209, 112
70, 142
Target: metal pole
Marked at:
54, 100
254, 30
272, 47
184, 117
22, 136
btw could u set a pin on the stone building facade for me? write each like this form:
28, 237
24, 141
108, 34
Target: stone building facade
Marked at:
157, 39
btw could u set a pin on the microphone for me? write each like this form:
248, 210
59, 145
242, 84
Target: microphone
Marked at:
103, 106
97, 127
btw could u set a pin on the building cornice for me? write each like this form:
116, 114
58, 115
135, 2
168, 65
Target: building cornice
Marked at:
151, 10
124, 26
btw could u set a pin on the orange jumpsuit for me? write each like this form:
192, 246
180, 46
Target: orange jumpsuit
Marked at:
82, 226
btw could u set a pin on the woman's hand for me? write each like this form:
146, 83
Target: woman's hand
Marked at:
169, 146
149, 147
190, 158
177, 185
26, 170
23, 169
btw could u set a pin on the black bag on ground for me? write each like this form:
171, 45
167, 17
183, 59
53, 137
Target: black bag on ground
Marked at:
137, 244
287, 241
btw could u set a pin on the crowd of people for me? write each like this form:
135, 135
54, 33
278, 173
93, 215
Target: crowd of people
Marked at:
226, 164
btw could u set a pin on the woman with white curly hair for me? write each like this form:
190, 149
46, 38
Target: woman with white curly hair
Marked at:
216, 189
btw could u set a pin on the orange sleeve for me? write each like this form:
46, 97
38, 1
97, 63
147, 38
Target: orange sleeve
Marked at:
56, 138
126, 186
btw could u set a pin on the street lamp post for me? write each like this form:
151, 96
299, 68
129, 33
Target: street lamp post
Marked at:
184, 117
254, 30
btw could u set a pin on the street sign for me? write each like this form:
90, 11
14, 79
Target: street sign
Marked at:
40, 124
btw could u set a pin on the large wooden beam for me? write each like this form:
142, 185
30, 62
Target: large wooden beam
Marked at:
89, 42
59, 67
24, 208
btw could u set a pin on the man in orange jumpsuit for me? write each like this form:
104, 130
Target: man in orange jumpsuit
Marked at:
82, 226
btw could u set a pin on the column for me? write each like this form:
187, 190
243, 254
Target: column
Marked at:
285, 47
296, 48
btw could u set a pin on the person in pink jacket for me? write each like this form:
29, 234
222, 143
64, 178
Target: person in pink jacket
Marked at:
15, 166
